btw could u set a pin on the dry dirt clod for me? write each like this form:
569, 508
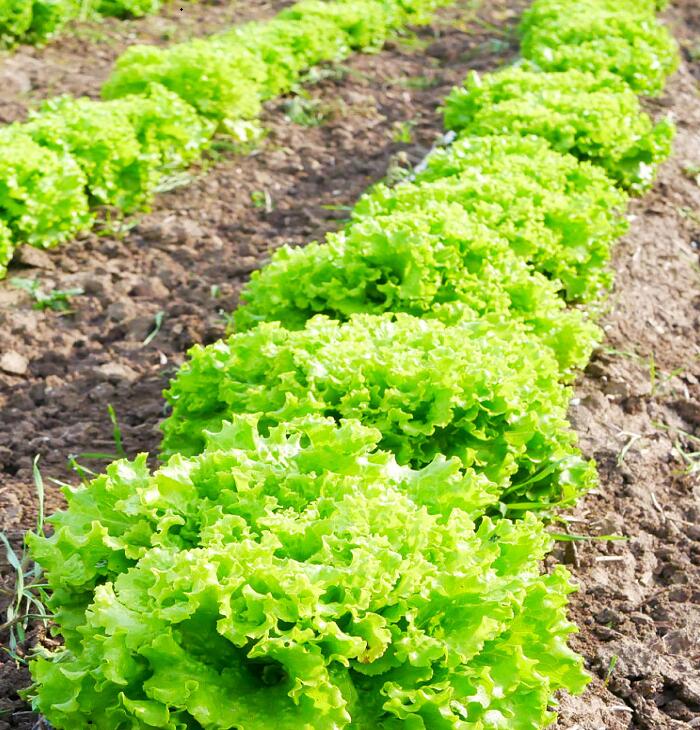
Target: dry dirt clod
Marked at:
35, 257
114, 371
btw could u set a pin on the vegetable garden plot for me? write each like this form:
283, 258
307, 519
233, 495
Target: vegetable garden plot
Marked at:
325, 389
220, 83
352, 147
79, 60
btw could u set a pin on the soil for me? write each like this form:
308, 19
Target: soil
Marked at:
637, 407
637, 412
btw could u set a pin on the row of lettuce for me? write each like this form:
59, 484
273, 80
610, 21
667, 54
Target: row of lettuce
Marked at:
37, 20
161, 109
348, 530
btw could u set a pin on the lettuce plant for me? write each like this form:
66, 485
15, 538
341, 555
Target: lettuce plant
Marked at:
366, 24
15, 18
226, 77
127, 8
49, 16
288, 47
123, 146
599, 36
42, 192
220, 80
36, 20
560, 215
483, 392
103, 141
300, 579
168, 129
594, 117
437, 263
6, 248
416, 12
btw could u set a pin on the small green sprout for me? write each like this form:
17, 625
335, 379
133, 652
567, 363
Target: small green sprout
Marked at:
56, 299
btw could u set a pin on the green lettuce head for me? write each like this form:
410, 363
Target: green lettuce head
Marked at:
485, 392
595, 117
299, 580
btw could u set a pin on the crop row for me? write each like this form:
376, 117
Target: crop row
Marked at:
162, 108
37, 20
347, 531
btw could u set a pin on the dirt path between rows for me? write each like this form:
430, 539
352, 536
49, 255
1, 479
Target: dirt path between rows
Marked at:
638, 411
184, 263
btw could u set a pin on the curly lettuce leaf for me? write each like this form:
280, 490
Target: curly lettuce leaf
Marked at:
600, 36
559, 215
42, 192
594, 117
441, 263
305, 579
484, 392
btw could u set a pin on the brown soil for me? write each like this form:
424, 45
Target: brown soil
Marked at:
189, 258
638, 411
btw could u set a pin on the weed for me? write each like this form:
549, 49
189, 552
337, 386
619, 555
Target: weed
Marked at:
116, 431
305, 111
262, 199
409, 41
415, 82
631, 441
403, 132
157, 324
27, 596
692, 172
56, 299
174, 181
334, 72
691, 458
611, 668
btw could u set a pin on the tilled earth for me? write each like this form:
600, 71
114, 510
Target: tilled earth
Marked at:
170, 277
79, 59
638, 414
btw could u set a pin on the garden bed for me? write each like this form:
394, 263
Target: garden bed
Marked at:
639, 607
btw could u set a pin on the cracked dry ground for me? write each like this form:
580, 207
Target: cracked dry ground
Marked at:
638, 414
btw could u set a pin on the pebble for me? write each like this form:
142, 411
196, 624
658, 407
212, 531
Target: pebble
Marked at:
117, 371
14, 363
